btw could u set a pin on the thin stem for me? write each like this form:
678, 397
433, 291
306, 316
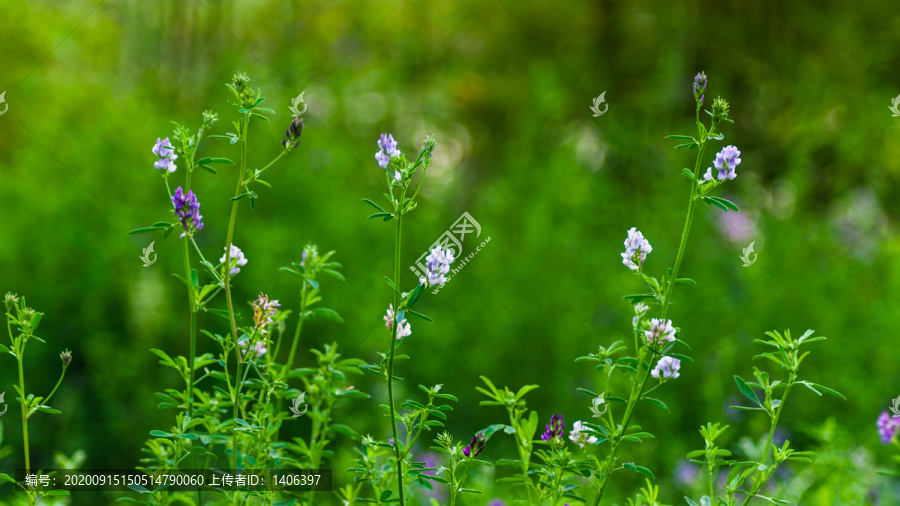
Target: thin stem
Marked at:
765, 455
695, 185
19, 357
396, 324
230, 236
58, 383
227, 282
187, 275
290, 360
667, 298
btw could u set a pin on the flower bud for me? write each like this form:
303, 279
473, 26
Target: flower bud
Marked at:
66, 358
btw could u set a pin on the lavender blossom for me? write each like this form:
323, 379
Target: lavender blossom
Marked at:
661, 331
554, 429
437, 266
476, 446
667, 367
699, 87
188, 211
259, 348
387, 150
581, 438
640, 309
237, 260
292, 135
166, 153
726, 161
636, 249
403, 329
887, 427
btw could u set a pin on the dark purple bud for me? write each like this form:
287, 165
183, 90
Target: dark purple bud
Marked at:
292, 135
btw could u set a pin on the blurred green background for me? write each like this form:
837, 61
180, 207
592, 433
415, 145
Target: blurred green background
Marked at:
505, 87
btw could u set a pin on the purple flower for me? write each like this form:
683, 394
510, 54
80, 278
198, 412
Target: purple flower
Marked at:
496, 502
437, 266
387, 149
726, 161
661, 331
640, 309
292, 135
580, 438
476, 446
887, 427
699, 87
636, 249
554, 429
667, 367
166, 153
188, 211
237, 260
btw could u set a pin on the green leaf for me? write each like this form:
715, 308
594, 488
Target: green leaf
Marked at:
166, 358
376, 206
686, 172
386, 216
420, 315
657, 402
328, 314
639, 297
345, 430
214, 160
746, 390
207, 168
144, 230
638, 469
416, 295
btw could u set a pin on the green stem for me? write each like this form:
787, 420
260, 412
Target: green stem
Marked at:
765, 455
290, 360
58, 383
227, 282
19, 356
396, 324
230, 237
187, 275
667, 298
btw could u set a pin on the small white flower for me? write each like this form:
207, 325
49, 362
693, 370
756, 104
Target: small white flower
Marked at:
580, 438
403, 329
389, 317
